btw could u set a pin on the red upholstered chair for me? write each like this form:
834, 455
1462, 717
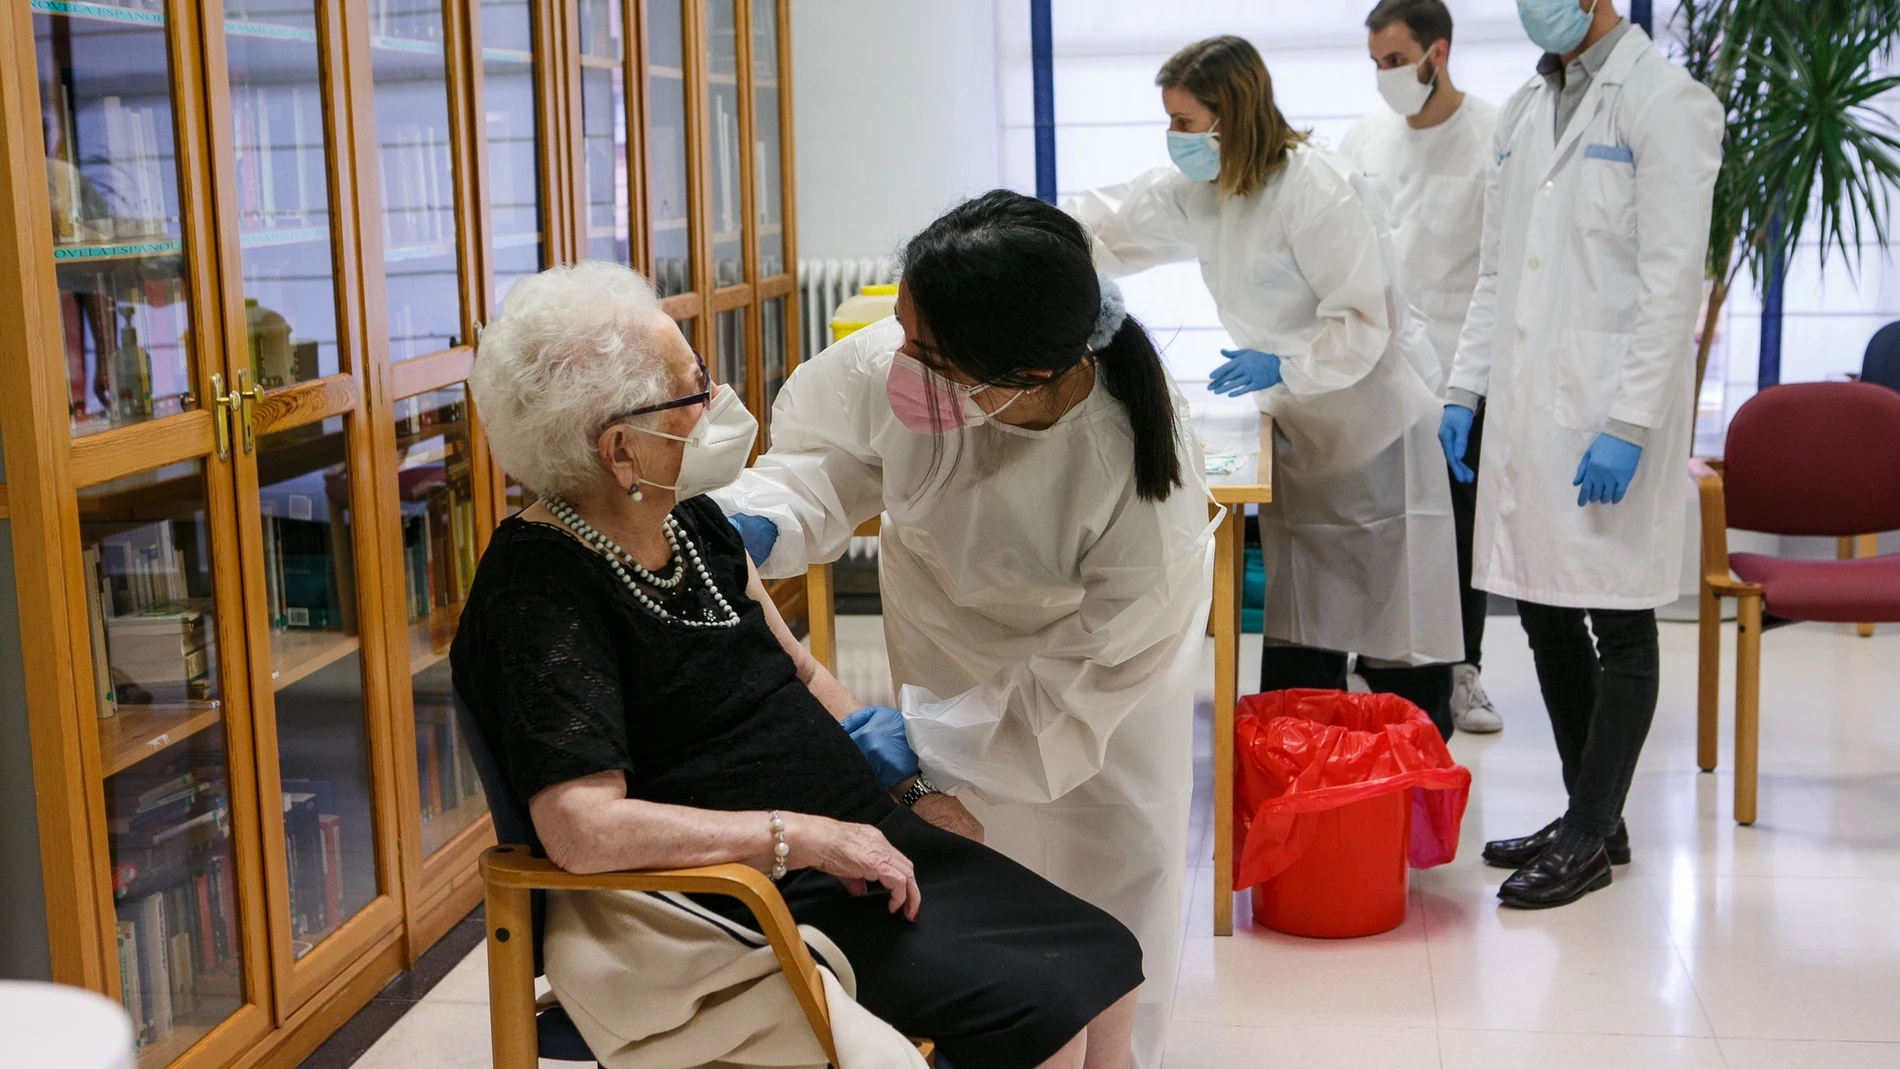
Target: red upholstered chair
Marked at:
1815, 459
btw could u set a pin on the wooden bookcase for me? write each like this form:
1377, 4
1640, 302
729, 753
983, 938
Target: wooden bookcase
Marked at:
245, 251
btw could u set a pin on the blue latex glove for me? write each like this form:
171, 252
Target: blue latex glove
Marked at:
879, 732
758, 533
1454, 434
1246, 371
1606, 470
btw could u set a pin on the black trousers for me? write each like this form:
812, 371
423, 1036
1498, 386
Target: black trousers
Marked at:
1464, 507
1427, 686
1601, 696
1001, 967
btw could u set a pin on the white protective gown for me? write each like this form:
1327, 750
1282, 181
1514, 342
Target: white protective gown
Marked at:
1584, 316
1359, 541
1044, 624
1431, 183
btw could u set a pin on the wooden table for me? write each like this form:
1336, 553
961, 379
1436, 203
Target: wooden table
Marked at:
1230, 426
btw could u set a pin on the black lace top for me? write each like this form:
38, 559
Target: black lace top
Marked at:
569, 675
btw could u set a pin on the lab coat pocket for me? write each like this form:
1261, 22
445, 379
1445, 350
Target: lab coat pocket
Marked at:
1588, 365
1606, 191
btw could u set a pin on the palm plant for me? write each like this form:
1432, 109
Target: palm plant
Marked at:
1798, 80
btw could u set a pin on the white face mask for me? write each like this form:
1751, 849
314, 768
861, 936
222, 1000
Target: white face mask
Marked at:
716, 450
1402, 90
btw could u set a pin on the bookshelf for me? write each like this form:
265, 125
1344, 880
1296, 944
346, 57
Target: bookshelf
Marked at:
257, 240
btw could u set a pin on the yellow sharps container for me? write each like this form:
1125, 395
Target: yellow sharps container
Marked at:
870, 305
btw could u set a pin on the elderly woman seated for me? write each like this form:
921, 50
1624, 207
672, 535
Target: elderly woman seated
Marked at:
645, 700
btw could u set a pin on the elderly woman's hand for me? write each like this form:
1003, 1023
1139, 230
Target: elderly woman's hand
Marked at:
857, 854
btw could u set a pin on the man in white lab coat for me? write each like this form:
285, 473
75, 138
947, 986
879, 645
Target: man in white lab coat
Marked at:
1579, 340
1427, 156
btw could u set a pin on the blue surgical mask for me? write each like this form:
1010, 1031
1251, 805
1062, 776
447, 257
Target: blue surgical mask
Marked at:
1556, 26
1197, 155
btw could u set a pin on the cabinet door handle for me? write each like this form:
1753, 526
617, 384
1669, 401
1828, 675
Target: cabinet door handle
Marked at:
221, 414
246, 400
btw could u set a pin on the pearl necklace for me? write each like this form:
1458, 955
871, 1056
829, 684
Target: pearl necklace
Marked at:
611, 549
683, 550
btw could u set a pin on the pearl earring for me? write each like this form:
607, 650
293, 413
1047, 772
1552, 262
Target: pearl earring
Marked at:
636, 494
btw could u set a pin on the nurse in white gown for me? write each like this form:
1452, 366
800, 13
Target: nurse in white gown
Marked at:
1358, 541
1044, 558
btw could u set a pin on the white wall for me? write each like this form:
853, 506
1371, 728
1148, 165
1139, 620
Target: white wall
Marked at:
896, 117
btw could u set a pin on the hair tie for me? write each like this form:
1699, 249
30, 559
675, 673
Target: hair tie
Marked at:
1114, 312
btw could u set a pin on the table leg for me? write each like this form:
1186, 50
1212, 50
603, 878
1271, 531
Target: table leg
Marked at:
1229, 568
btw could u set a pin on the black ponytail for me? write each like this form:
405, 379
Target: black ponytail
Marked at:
1006, 285
1131, 368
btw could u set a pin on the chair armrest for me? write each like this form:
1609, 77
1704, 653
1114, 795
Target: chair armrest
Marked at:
514, 868
1708, 479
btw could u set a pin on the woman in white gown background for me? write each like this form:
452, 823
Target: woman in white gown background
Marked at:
1358, 541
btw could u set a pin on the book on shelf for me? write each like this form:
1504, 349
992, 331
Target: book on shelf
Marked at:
313, 842
163, 653
330, 828
131, 992
178, 946
275, 142
154, 970
304, 561
303, 849
152, 642
98, 597
138, 181
446, 770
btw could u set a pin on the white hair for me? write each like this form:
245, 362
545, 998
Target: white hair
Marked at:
573, 347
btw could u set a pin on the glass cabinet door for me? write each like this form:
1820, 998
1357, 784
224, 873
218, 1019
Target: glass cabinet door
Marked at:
313, 665
725, 141
604, 131
416, 173
435, 484
281, 160
106, 114
167, 755
669, 202
773, 364
768, 188
730, 350
516, 247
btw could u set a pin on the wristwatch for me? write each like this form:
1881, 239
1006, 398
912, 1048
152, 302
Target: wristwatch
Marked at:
918, 791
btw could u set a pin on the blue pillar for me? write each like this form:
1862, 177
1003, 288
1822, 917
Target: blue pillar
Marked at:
1768, 364
1042, 64
1642, 13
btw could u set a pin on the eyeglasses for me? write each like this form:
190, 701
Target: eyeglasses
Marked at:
700, 396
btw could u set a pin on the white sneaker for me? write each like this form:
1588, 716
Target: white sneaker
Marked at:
1471, 708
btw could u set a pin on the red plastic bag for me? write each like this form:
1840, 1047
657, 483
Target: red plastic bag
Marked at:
1298, 753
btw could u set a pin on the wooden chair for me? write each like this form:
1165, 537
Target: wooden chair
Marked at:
821, 610
1814, 459
516, 882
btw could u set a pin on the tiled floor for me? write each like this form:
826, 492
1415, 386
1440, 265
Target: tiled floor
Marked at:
1771, 947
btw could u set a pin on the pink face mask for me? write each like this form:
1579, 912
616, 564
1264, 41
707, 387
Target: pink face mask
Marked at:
924, 402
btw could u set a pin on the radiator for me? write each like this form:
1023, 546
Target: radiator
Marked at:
825, 285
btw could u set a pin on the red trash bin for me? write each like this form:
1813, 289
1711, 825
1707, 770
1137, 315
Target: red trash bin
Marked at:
1336, 797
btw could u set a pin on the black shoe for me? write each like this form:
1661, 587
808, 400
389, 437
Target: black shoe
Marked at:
1517, 853
1569, 868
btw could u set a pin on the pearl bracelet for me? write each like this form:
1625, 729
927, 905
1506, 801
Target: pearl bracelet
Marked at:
779, 848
